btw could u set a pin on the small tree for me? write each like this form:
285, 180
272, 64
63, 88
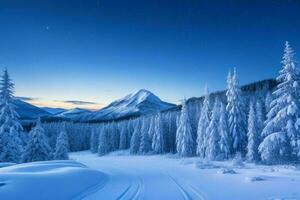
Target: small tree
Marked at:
62, 146
38, 148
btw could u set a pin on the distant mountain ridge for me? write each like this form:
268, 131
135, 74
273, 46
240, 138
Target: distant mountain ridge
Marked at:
54, 111
28, 111
73, 113
138, 103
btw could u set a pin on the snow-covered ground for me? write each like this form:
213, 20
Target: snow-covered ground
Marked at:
59, 180
122, 176
167, 177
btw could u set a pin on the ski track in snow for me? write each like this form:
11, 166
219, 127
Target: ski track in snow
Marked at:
188, 191
163, 178
131, 193
92, 189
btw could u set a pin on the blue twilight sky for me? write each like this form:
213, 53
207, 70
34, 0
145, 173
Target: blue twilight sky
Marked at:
101, 50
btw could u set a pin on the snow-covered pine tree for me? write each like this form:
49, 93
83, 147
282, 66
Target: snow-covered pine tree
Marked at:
260, 118
94, 140
124, 136
136, 138
172, 116
62, 145
130, 129
114, 136
11, 148
236, 115
104, 145
268, 101
38, 148
10, 128
225, 142
184, 140
151, 129
282, 126
213, 137
158, 138
253, 136
202, 126
145, 145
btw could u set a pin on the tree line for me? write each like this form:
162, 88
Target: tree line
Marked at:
261, 128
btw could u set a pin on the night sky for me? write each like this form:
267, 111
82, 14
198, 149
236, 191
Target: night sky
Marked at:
86, 53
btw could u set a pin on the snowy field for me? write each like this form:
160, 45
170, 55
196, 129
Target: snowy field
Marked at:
122, 176
167, 177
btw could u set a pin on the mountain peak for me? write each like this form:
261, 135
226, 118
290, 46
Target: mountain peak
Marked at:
138, 103
140, 96
143, 92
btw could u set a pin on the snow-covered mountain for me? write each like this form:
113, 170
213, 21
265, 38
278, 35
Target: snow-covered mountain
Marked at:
27, 111
54, 111
138, 103
73, 113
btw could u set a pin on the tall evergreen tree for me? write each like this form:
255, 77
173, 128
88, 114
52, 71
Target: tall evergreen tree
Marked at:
62, 145
268, 101
236, 114
38, 148
145, 145
184, 139
123, 136
151, 129
225, 142
260, 118
202, 126
172, 116
253, 135
10, 128
114, 136
136, 138
104, 145
94, 140
158, 139
281, 142
213, 137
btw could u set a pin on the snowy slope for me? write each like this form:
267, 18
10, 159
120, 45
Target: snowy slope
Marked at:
28, 111
139, 103
73, 113
164, 177
60, 180
53, 111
